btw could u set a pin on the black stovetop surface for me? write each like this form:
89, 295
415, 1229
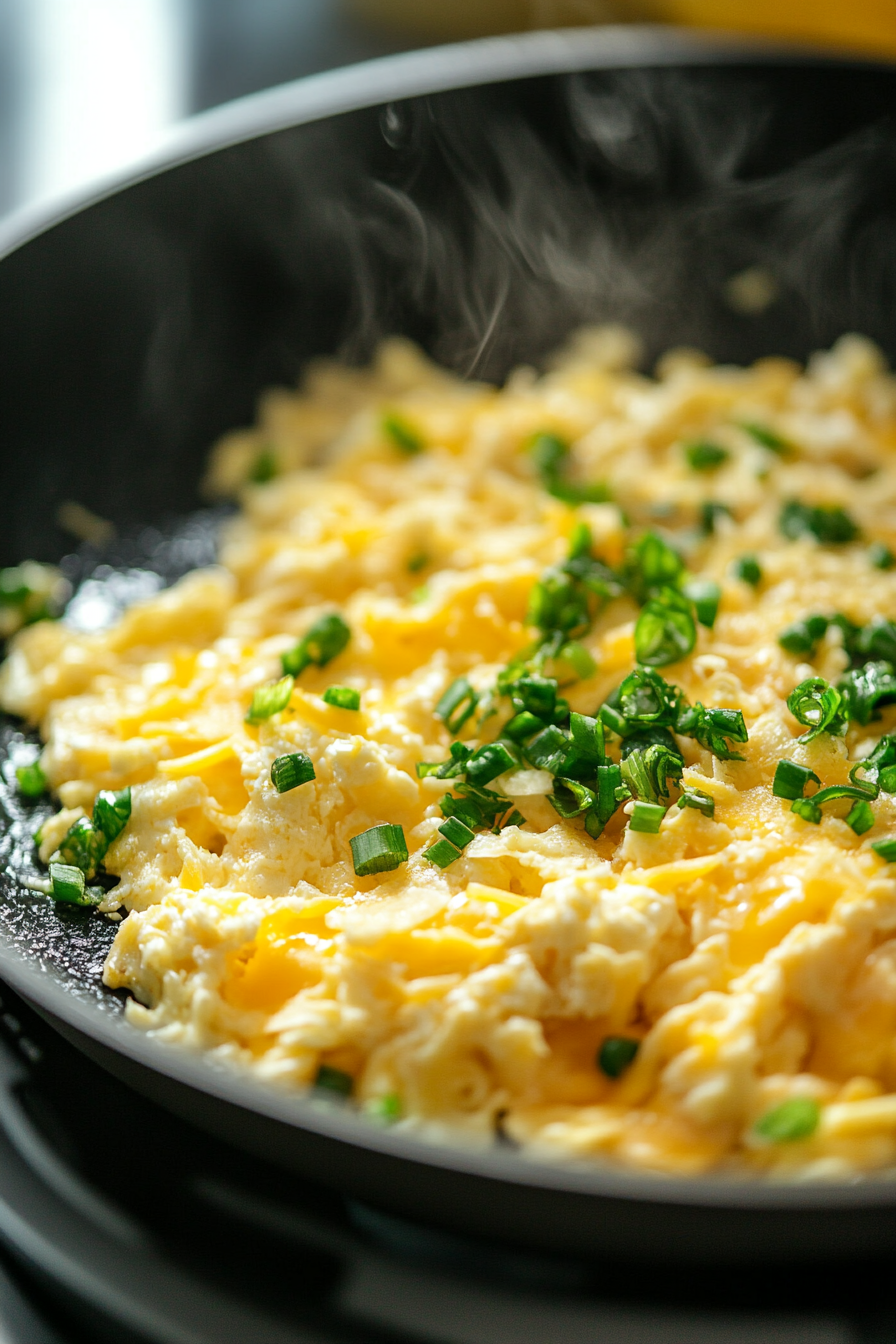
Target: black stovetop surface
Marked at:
121, 1222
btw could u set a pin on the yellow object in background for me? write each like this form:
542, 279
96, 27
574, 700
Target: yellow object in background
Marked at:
867, 26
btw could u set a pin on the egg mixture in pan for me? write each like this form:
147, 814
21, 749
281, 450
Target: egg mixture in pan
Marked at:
525, 768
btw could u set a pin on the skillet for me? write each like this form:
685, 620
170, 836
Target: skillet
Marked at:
483, 199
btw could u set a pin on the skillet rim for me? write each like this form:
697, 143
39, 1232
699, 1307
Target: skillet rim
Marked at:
300, 102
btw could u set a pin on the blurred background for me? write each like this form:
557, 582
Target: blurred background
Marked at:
87, 85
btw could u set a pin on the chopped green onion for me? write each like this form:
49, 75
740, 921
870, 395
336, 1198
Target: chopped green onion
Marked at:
700, 801
829, 524
271, 699
864, 689
644, 699
610, 793
651, 564
463, 808
802, 637
796, 1118
577, 659
442, 853
834, 791
647, 772
879, 767
488, 762
706, 596
384, 1110
379, 850
342, 697
31, 780
665, 631
807, 808
264, 468
68, 886
456, 705
289, 772
83, 847
402, 435
616, 1054
818, 707
705, 455
535, 693
112, 812
548, 751
860, 817
791, 780
886, 849
419, 560
766, 437
326, 638
880, 556
514, 818
570, 798
521, 726
550, 454
747, 568
647, 817
334, 1080
457, 832
711, 511
712, 728
877, 639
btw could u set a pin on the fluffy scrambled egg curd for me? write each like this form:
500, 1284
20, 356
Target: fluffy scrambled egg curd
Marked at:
527, 768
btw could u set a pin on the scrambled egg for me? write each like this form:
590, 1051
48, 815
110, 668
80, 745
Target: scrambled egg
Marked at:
713, 991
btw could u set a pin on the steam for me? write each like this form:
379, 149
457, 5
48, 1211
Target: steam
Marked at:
490, 223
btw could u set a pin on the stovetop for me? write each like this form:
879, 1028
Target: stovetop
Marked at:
121, 1222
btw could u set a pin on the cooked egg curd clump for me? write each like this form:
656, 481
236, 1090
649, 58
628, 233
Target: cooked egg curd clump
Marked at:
525, 768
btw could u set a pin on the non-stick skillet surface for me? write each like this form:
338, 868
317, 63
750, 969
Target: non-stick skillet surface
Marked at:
486, 222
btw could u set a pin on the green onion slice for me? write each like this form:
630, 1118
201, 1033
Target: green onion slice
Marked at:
31, 780
818, 707
665, 631
342, 697
860, 817
570, 798
616, 1054
700, 801
69, 887
112, 812
886, 849
326, 638
457, 704
765, 436
791, 780
442, 853
647, 817
880, 556
796, 1118
402, 435
385, 1110
706, 596
829, 524
379, 850
748, 569
807, 808
334, 1080
713, 728
704, 455
865, 689
488, 762
270, 699
83, 847
288, 772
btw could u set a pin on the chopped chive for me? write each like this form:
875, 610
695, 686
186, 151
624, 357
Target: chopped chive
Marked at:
578, 659
548, 750
69, 886
442, 853
711, 510
880, 556
818, 707
705, 455
791, 780
886, 849
288, 772
112, 812
31, 780
521, 726
384, 1110
747, 568
271, 699
875, 640
860, 818
457, 704
550, 455
802, 637
536, 693
651, 564
616, 1054
84, 846
699, 800
264, 468
419, 560
403, 436
647, 817
342, 697
864, 689
379, 849
334, 1080
570, 798
514, 818
765, 436
829, 524
457, 832
886, 779
712, 728
807, 808
665, 631
706, 596
796, 1118
326, 638
488, 762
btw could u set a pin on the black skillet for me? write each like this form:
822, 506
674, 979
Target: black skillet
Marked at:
483, 199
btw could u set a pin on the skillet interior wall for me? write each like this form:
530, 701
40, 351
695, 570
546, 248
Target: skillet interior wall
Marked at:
486, 223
